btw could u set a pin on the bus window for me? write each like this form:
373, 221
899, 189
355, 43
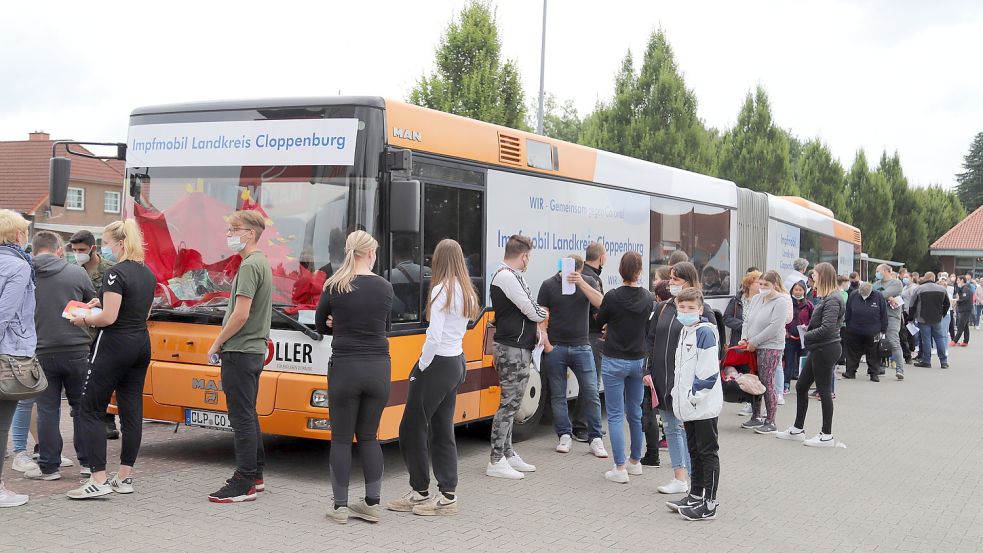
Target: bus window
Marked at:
456, 213
702, 231
407, 276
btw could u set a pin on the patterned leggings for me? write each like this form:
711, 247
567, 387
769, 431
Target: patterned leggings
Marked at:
768, 361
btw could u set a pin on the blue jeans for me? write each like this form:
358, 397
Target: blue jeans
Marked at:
979, 312
21, 424
939, 333
676, 438
623, 391
580, 360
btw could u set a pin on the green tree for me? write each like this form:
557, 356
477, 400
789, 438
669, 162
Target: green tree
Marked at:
970, 182
653, 114
560, 121
942, 210
470, 78
820, 178
911, 234
871, 208
756, 153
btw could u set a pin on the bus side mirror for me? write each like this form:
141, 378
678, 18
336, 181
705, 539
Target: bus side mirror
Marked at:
59, 171
404, 205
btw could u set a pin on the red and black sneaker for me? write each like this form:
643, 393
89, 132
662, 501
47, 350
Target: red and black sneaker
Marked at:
237, 489
260, 485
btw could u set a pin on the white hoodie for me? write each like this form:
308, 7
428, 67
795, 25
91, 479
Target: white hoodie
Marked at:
697, 392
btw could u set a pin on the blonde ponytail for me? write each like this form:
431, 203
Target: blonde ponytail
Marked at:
128, 233
359, 244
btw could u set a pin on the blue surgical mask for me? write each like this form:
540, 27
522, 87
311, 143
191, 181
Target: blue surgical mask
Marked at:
235, 243
906, 280
878, 276
688, 319
107, 254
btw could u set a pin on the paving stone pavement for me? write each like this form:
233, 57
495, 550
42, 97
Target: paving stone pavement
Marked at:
909, 480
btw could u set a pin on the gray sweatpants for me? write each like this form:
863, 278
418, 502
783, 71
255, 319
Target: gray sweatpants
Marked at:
512, 365
893, 338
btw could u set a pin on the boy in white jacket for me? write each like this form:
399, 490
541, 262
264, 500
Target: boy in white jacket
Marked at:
697, 399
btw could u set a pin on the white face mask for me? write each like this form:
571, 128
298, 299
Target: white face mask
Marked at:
764, 291
235, 243
82, 258
675, 289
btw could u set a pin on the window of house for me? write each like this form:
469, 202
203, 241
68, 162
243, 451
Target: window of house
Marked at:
75, 199
110, 202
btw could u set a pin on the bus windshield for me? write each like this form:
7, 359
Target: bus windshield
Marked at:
309, 211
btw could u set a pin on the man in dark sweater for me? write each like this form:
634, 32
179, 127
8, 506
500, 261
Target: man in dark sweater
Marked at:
63, 349
596, 256
568, 334
929, 306
866, 322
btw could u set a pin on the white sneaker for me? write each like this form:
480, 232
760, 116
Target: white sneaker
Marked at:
745, 410
676, 486
66, 462
121, 486
781, 399
820, 440
634, 469
518, 464
565, 442
597, 448
502, 469
36, 474
615, 475
90, 488
792, 433
23, 462
11, 499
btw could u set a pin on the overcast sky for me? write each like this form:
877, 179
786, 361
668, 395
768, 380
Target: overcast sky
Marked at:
879, 74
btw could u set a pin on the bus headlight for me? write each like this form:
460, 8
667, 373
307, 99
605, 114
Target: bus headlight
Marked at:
319, 398
318, 424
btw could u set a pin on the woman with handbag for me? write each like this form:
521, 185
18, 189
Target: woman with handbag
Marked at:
17, 334
119, 360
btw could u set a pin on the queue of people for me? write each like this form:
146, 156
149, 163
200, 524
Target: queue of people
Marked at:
655, 352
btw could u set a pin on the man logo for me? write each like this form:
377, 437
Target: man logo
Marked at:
211, 398
407, 134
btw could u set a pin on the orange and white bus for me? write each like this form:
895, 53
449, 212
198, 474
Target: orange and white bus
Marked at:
318, 168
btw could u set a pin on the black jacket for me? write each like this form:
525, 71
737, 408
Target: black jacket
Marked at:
866, 317
824, 326
516, 312
964, 301
589, 271
663, 339
734, 319
930, 303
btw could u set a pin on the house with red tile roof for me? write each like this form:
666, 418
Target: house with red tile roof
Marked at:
95, 193
961, 249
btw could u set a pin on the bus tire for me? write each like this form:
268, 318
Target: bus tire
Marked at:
532, 408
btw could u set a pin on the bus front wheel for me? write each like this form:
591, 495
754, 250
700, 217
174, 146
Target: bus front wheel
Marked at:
531, 409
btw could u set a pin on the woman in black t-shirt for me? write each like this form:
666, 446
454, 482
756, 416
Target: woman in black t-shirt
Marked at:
625, 311
120, 356
356, 304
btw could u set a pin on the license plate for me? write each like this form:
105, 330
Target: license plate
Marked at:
207, 419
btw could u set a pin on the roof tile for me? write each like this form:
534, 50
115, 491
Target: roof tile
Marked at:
966, 235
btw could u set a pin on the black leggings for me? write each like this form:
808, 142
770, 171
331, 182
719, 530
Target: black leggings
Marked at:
119, 362
819, 366
963, 320
427, 430
358, 390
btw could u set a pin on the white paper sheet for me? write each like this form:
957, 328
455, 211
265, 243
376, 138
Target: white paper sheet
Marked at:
802, 334
567, 267
912, 329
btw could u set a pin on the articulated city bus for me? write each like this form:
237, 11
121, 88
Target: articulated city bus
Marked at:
320, 168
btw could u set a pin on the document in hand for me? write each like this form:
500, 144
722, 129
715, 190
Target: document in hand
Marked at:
79, 309
802, 334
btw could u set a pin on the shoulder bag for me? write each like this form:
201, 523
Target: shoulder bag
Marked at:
21, 378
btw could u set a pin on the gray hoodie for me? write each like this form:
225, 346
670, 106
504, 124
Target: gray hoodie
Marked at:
58, 283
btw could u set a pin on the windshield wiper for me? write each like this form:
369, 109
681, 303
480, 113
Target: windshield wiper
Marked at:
296, 325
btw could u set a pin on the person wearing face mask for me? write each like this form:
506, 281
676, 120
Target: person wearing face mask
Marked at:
87, 255
866, 321
594, 259
517, 316
18, 337
358, 303
661, 288
764, 334
888, 284
241, 349
663, 338
801, 313
119, 359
